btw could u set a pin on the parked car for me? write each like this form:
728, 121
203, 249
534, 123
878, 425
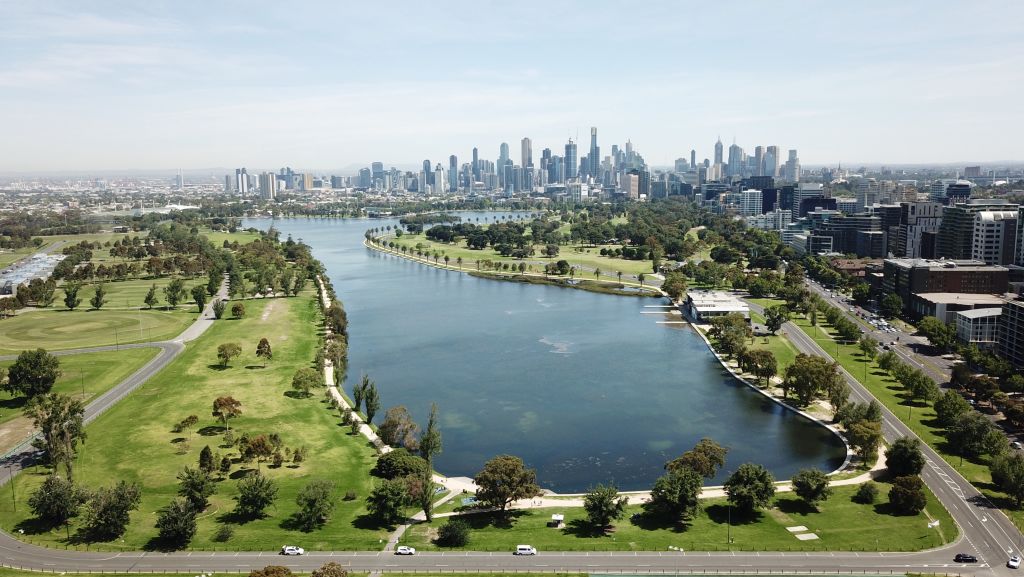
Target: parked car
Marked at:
965, 558
1017, 445
292, 550
403, 550
524, 550
1014, 562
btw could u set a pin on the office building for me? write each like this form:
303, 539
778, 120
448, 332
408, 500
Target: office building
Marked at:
867, 193
791, 171
701, 305
718, 151
750, 202
594, 156
995, 232
771, 161
803, 192
956, 232
570, 161
1011, 332
906, 277
979, 327
268, 185
526, 153
916, 220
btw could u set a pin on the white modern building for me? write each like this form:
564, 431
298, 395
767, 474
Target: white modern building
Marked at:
995, 232
750, 202
978, 326
701, 306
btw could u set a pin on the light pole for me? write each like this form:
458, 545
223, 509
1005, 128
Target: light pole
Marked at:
729, 524
81, 376
10, 473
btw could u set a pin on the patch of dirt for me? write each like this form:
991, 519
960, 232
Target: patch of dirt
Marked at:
268, 310
13, 432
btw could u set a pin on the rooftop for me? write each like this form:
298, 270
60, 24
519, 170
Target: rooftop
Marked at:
942, 264
962, 298
980, 313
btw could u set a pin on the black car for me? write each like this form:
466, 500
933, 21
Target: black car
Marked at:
965, 558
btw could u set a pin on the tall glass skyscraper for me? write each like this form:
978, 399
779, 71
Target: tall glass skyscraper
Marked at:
570, 160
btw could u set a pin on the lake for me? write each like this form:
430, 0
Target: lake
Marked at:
586, 388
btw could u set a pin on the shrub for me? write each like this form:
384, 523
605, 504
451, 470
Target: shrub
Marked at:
224, 533
350, 495
454, 533
867, 494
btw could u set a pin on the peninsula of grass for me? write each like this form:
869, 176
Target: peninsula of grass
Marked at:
839, 523
917, 415
84, 376
603, 287
57, 329
134, 441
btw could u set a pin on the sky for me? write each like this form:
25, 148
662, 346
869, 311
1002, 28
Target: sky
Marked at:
88, 85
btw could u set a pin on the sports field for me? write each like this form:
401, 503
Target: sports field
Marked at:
61, 329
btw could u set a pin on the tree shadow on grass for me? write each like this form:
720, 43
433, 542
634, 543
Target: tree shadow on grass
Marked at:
254, 367
584, 529
795, 506
211, 430
36, 526
720, 514
371, 523
297, 395
15, 404
218, 367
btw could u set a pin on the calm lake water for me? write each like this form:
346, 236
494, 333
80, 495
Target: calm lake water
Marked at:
585, 387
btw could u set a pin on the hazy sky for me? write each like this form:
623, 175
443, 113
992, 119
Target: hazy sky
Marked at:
93, 85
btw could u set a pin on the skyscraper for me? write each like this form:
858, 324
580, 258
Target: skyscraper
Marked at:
476, 164
693, 158
718, 151
792, 172
428, 172
570, 160
594, 157
735, 160
759, 160
771, 161
527, 153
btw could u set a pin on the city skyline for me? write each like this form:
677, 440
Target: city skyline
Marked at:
111, 87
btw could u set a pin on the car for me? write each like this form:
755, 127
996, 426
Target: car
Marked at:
1013, 562
403, 550
1017, 445
885, 347
893, 343
292, 550
524, 550
965, 558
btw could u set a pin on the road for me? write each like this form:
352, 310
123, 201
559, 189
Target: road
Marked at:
985, 531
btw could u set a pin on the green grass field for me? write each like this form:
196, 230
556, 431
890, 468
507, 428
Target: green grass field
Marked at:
130, 294
60, 329
218, 238
83, 376
840, 524
134, 441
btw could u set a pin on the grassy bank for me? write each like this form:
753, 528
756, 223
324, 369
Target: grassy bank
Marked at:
582, 284
840, 524
134, 440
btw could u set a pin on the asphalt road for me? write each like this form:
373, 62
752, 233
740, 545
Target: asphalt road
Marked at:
984, 531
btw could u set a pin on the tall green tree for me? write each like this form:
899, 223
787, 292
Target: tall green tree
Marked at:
174, 292
109, 509
32, 374
750, 488
387, 500
604, 505
177, 523
907, 495
705, 458
775, 317
57, 500
316, 503
196, 486
305, 379
99, 296
891, 306
151, 299
810, 377
371, 401
1008, 475
199, 296
505, 479
812, 486
676, 495
264, 351
904, 457
228, 351
255, 493
71, 299
60, 420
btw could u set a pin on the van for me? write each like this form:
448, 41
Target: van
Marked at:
525, 550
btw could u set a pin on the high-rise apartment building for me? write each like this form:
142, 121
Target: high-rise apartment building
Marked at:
956, 233
527, 153
570, 160
995, 233
771, 161
594, 156
792, 168
751, 202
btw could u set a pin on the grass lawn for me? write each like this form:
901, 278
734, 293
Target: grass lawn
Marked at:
55, 329
93, 373
130, 294
785, 353
218, 238
134, 441
588, 258
841, 524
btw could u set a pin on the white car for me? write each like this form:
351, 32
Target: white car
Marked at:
403, 550
524, 550
292, 550
1014, 562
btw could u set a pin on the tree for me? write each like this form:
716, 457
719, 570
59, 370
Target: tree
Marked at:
750, 488
206, 461
454, 533
775, 317
177, 523
59, 419
861, 293
57, 500
973, 435
763, 364
219, 306
255, 493
305, 379
32, 374
1008, 475
705, 458
371, 401
866, 494
71, 300
174, 292
386, 501
359, 391
109, 509
398, 428
399, 463
676, 495
329, 569
430, 443
907, 495
869, 347
228, 351
904, 457
99, 296
941, 335
271, 571
226, 408
812, 486
603, 505
264, 351
316, 502
891, 305
865, 437
199, 296
674, 285
238, 310
196, 486
505, 479
151, 299
809, 377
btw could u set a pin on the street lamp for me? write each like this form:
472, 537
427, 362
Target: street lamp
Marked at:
10, 474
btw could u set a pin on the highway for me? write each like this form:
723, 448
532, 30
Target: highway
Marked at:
984, 531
